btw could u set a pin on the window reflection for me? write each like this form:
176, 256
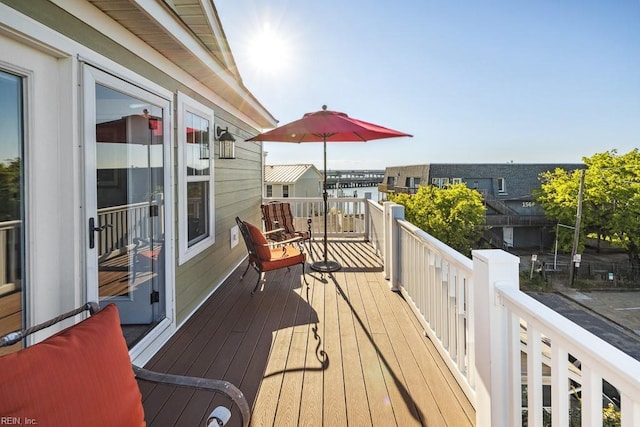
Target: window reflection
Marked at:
11, 205
198, 163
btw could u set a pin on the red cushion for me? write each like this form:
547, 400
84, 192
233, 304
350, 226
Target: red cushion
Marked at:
279, 258
259, 241
80, 377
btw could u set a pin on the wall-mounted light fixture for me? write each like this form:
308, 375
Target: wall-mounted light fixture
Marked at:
227, 143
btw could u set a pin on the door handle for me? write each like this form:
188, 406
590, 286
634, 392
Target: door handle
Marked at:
93, 229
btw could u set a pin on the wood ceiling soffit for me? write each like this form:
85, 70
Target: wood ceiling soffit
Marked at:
139, 23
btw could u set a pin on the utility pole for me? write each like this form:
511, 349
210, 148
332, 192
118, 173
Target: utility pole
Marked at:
576, 234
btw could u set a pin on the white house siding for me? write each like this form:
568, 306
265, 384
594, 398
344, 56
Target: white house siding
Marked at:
309, 185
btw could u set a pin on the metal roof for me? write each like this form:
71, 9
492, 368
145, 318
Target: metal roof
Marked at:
287, 173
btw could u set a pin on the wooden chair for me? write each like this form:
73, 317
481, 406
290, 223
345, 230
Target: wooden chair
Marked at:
265, 256
83, 376
277, 215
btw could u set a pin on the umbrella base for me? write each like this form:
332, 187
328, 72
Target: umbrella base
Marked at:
325, 266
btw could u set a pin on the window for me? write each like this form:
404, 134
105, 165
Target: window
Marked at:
11, 203
412, 182
502, 185
195, 122
440, 182
456, 180
391, 181
285, 191
269, 190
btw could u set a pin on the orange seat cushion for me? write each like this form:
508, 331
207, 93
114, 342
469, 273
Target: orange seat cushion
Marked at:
80, 377
280, 258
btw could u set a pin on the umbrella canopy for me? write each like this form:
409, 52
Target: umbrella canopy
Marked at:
327, 126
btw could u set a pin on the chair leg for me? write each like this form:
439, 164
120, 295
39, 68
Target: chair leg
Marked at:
260, 278
245, 271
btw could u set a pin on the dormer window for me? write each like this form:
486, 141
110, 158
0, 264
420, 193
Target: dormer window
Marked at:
502, 185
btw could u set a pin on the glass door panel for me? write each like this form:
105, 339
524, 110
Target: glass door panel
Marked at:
11, 206
128, 232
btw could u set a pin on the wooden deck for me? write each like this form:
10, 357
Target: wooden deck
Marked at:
344, 350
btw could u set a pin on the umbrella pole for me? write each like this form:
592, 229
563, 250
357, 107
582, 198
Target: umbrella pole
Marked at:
325, 266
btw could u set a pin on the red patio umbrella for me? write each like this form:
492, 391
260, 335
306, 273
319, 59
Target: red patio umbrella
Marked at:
327, 126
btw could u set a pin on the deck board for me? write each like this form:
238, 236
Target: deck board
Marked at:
342, 350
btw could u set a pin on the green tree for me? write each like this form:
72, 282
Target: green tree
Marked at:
611, 199
10, 190
454, 215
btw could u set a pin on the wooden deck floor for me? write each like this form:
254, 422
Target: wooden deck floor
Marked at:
344, 350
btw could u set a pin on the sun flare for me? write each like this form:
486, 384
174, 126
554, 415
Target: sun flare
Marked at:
269, 51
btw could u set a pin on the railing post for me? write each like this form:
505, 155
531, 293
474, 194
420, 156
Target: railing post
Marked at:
367, 219
490, 334
386, 238
392, 212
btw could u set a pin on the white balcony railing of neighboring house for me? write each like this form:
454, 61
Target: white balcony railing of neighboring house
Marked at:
508, 352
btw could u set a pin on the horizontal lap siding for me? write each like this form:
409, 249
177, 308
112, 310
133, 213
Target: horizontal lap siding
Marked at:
237, 193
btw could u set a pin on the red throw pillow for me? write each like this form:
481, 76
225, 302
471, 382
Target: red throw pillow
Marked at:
260, 242
81, 377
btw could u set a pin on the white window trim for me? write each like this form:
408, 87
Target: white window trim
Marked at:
188, 104
502, 185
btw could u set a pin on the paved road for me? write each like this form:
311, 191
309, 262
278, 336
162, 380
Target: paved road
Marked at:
612, 316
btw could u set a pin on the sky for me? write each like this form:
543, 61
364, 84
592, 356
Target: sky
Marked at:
493, 81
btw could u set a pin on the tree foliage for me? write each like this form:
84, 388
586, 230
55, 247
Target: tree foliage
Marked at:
10, 190
611, 198
453, 215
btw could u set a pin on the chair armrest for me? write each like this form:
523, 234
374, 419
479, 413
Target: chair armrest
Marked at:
224, 387
297, 239
278, 243
275, 230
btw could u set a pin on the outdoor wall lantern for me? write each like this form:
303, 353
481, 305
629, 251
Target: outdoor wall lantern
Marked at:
227, 143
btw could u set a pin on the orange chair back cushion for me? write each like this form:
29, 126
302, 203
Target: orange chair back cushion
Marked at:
259, 241
80, 377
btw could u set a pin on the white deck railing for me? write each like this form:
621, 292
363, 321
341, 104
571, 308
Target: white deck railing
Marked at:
346, 215
436, 279
496, 339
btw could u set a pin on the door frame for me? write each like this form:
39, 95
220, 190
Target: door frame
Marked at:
91, 74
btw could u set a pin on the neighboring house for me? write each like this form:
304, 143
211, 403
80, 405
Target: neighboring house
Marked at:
292, 181
111, 122
516, 220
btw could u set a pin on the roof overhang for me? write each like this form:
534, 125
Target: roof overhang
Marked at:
190, 35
